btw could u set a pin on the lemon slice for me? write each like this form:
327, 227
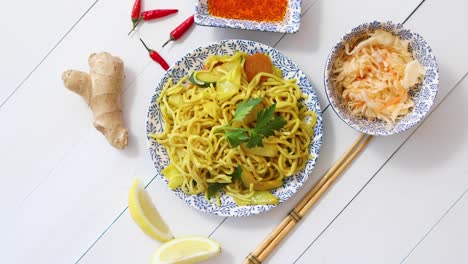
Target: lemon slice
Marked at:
145, 214
186, 250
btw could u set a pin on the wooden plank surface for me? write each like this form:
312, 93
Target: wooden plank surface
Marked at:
407, 197
31, 31
257, 227
446, 242
70, 165
387, 232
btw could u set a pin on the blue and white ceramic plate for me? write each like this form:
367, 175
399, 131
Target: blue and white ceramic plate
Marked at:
290, 24
423, 95
194, 61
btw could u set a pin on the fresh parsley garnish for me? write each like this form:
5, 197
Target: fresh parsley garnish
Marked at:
213, 188
244, 108
236, 137
267, 124
236, 175
299, 105
266, 130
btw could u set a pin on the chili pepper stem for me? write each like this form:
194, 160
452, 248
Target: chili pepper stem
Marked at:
148, 49
169, 40
135, 24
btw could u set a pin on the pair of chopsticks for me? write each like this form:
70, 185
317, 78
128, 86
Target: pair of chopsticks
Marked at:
299, 211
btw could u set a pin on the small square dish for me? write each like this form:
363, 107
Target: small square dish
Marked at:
289, 24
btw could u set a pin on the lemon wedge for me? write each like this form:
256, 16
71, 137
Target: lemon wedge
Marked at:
145, 213
186, 250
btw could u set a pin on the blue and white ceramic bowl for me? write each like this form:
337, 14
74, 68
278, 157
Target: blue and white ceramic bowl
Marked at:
423, 95
290, 24
194, 61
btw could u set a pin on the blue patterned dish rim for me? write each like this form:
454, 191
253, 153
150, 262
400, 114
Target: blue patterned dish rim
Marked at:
290, 24
423, 95
194, 61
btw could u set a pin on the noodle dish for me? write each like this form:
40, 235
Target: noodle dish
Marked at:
234, 128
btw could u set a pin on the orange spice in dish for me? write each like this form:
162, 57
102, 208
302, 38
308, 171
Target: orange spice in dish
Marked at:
254, 10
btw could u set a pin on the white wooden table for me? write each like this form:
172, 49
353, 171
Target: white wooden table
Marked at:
64, 189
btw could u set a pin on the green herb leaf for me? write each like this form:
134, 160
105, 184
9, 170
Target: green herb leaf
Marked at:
213, 188
268, 129
244, 108
265, 115
299, 105
255, 140
266, 125
236, 136
236, 175
268, 122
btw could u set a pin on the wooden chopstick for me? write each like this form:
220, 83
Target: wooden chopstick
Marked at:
299, 211
304, 200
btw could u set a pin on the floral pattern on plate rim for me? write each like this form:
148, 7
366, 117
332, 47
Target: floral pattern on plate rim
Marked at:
193, 61
290, 24
423, 95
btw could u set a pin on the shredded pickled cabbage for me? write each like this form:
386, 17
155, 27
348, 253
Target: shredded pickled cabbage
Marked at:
374, 76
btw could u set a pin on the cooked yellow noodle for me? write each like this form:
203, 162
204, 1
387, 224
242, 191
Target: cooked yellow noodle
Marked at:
200, 154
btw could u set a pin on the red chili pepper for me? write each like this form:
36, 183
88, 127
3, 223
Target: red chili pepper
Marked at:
156, 57
181, 29
157, 13
135, 14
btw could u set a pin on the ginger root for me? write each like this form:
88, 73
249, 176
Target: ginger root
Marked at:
101, 90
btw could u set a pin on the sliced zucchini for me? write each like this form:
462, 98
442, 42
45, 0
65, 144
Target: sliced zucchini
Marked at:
193, 80
205, 78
